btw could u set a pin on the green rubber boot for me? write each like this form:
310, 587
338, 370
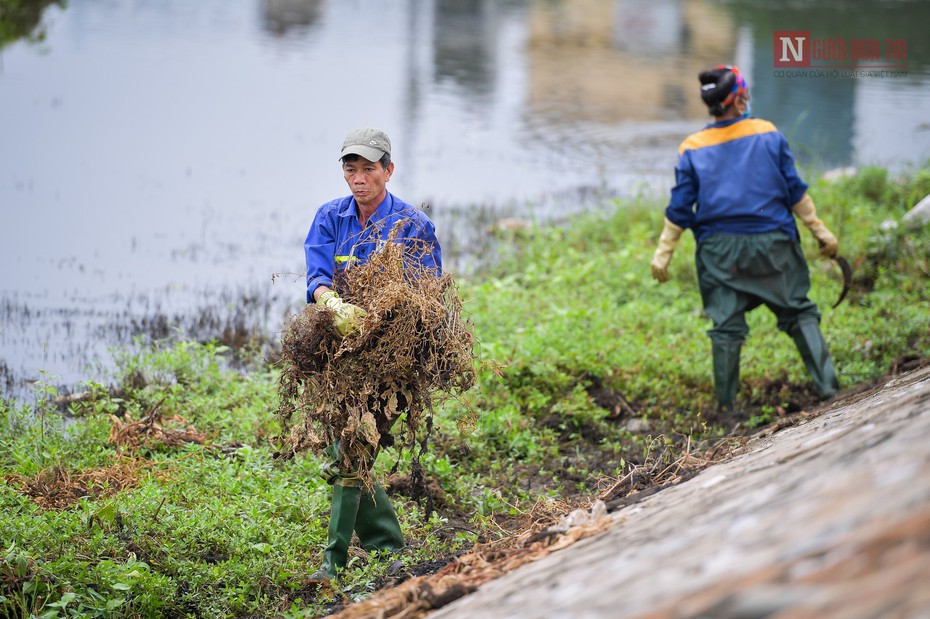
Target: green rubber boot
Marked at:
376, 523
726, 371
341, 524
813, 348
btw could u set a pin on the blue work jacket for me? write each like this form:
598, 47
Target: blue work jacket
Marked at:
336, 239
735, 177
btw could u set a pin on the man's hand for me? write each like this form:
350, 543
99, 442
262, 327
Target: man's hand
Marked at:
805, 210
668, 240
347, 318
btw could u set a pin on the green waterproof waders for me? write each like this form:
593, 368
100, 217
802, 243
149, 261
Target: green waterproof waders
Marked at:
726, 371
809, 340
369, 514
736, 274
341, 525
376, 524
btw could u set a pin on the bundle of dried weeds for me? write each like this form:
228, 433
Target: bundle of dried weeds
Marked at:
414, 350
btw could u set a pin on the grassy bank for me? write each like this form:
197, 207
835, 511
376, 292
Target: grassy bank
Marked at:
159, 495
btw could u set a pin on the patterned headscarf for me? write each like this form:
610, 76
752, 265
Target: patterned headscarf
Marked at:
740, 88
721, 86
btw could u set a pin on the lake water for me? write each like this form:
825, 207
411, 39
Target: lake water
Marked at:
160, 162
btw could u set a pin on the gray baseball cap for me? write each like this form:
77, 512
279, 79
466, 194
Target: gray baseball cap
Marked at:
372, 144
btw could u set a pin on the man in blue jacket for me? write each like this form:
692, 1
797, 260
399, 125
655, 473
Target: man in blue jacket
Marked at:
737, 189
345, 232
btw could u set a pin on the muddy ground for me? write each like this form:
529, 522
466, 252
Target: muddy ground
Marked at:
825, 513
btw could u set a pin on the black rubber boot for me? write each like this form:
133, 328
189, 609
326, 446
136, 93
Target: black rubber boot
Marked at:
813, 348
341, 525
726, 371
376, 524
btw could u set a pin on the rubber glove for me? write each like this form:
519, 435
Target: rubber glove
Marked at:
805, 210
668, 240
347, 318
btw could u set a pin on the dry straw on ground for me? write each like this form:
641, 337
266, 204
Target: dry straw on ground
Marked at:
414, 350
57, 488
153, 430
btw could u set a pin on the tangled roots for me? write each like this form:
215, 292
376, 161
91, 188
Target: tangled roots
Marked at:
414, 350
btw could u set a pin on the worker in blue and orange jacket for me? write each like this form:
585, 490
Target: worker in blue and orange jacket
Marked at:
737, 189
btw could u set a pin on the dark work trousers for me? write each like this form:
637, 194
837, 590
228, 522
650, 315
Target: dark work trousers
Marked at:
736, 274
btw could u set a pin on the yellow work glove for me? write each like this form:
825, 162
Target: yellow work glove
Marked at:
347, 317
668, 240
805, 210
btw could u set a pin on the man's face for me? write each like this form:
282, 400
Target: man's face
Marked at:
366, 180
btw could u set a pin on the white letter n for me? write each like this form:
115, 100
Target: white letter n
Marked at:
796, 52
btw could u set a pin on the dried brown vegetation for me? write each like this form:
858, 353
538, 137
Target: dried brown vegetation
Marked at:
153, 431
57, 488
414, 350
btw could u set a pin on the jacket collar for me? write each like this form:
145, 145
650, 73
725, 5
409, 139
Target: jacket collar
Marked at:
387, 204
726, 123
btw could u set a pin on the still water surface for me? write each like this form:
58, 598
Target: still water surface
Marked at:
160, 162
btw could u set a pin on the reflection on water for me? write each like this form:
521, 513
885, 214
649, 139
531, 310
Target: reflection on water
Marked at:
464, 38
283, 17
161, 162
23, 21
628, 61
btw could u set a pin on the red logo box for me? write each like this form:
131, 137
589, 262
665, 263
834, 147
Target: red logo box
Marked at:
792, 48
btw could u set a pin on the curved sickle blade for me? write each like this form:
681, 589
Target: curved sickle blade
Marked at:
847, 278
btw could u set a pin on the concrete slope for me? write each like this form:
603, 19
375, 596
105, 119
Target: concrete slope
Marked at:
829, 518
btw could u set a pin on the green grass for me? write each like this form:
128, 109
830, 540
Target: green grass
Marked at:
568, 324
